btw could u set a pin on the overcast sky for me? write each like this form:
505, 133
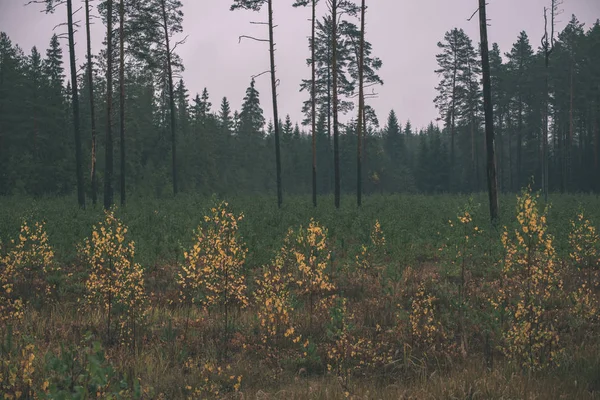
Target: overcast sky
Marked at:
404, 34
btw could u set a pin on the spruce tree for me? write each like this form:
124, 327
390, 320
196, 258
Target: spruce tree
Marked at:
519, 64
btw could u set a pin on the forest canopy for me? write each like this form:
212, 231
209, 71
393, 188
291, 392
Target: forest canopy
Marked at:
226, 151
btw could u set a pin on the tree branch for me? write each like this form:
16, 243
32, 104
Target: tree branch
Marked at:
472, 15
182, 41
49, 9
262, 73
251, 37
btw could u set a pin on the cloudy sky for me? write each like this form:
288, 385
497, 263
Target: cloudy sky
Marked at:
404, 34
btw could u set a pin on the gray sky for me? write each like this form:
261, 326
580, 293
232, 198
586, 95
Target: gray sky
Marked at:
404, 34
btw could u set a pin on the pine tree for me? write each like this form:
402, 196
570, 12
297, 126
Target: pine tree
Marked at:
313, 92
122, 96
500, 110
361, 104
256, 5
489, 116
337, 8
448, 97
90, 83
468, 81
108, 145
156, 25
50, 8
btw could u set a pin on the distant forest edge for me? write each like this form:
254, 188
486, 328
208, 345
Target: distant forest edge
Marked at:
225, 151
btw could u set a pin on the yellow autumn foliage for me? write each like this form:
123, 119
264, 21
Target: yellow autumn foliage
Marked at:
530, 281
212, 273
273, 297
115, 283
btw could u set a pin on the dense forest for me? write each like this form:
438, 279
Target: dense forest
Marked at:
204, 287
226, 151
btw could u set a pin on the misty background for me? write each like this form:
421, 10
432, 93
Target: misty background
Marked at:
404, 34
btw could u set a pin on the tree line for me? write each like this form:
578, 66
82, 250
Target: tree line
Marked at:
546, 114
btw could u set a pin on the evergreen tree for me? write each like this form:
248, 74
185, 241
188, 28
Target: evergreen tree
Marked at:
394, 139
519, 66
251, 117
448, 99
225, 119
156, 25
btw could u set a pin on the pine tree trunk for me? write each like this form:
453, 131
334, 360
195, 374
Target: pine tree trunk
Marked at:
571, 133
108, 164
94, 182
75, 99
519, 140
510, 151
122, 95
329, 128
562, 138
361, 106
314, 106
489, 116
275, 113
336, 150
545, 126
596, 145
500, 132
474, 183
556, 158
171, 98
452, 117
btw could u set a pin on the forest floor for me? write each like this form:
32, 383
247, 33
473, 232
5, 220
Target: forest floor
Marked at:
409, 297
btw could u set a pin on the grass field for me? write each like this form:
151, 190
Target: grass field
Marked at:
408, 297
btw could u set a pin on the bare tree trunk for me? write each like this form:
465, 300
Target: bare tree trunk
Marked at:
75, 99
122, 95
92, 108
171, 98
571, 130
336, 150
361, 105
519, 137
314, 106
474, 183
562, 143
510, 152
548, 46
545, 169
500, 153
275, 114
452, 117
489, 116
329, 128
596, 145
108, 190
